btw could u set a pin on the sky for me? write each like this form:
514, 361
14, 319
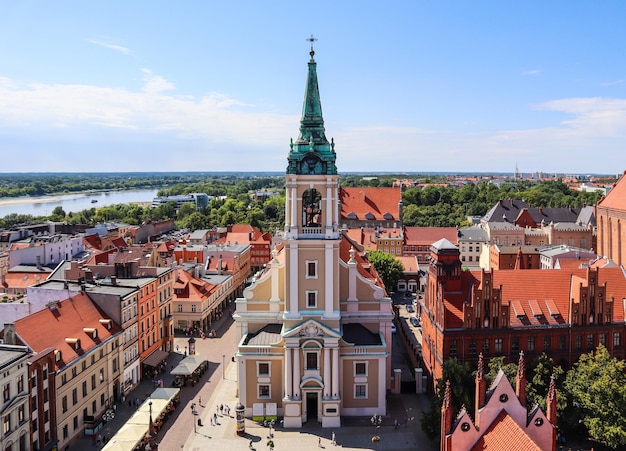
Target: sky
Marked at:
406, 86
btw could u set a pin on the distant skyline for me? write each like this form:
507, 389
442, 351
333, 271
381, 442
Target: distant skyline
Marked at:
406, 86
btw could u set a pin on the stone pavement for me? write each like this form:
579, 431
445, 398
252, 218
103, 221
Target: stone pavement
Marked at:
218, 386
355, 433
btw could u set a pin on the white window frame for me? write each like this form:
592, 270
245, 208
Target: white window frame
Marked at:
315, 268
258, 391
307, 294
357, 362
269, 369
316, 352
359, 396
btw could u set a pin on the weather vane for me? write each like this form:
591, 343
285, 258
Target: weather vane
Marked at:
312, 40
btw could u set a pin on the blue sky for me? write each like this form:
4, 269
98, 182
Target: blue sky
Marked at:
405, 85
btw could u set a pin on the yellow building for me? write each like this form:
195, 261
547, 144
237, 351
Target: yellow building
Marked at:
314, 328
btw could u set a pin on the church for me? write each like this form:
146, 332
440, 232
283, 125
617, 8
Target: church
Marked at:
314, 327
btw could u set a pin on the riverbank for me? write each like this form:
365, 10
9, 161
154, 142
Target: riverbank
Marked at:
28, 200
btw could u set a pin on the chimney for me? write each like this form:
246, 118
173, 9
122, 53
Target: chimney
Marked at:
520, 380
113, 280
9, 333
481, 388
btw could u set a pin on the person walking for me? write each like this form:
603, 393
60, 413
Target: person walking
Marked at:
334, 442
319, 442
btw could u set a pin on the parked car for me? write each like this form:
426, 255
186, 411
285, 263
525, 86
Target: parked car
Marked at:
410, 308
415, 321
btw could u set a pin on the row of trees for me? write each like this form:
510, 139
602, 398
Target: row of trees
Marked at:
37, 184
591, 396
446, 206
434, 205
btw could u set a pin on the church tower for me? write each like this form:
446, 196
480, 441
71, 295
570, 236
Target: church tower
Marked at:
314, 327
312, 242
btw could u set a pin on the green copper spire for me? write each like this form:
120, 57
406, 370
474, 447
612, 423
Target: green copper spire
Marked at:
312, 153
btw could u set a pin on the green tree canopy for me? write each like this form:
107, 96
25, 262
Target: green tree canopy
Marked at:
596, 389
462, 390
388, 267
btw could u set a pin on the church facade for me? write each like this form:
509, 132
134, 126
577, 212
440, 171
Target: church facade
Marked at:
314, 328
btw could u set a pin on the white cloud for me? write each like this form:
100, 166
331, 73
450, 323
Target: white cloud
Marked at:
109, 45
532, 72
155, 83
155, 129
214, 116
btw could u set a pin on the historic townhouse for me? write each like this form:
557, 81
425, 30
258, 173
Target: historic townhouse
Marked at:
15, 411
314, 328
87, 365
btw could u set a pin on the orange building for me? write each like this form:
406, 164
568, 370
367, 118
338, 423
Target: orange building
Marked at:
417, 240
514, 257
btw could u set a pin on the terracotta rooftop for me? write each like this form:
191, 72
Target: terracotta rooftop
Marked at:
65, 321
616, 197
370, 204
542, 297
428, 235
505, 433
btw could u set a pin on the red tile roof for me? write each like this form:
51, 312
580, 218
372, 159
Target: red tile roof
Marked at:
505, 433
364, 266
410, 263
538, 292
23, 280
616, 197
190, 288
51, 327
377, 201
429, 235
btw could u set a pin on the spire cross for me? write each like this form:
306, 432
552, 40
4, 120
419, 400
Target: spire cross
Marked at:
311, 40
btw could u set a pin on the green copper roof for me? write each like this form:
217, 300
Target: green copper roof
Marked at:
312, 153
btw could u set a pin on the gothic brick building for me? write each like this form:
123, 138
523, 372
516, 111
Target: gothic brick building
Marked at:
563, 313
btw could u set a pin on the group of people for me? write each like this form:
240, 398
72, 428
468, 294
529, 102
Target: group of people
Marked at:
222, 409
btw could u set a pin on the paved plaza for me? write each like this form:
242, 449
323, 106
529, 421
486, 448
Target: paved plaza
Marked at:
218, 386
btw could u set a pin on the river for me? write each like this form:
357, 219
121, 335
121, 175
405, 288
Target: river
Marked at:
43, 206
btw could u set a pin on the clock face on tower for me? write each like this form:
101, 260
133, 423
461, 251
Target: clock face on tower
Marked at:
312, 165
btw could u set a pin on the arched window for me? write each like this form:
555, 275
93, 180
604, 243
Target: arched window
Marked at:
312, 208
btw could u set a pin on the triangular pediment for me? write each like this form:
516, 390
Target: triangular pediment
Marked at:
311, 329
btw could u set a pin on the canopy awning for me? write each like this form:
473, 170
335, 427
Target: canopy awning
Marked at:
188, 365
136, 428
155, 358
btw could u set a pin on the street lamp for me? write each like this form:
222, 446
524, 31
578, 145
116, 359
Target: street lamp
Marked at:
193, 412
223, 365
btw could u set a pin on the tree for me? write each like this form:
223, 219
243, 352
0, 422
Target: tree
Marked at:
196, 221
58, 211
462, 391
388, 267
596, 390
539, 373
